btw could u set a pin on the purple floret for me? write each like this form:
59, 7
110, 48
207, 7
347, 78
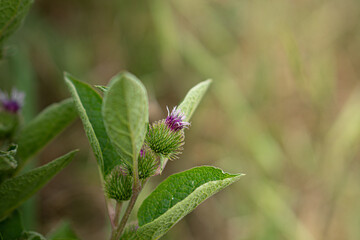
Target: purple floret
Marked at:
142, 153
14, 103
175, 120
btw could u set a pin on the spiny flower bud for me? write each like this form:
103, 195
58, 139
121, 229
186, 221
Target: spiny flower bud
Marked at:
147, 163
12, 103
118, 185
166, 137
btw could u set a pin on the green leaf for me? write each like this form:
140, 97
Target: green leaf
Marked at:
63, 232
88, 103
8, 163
40, 131
15, 191
129, 233
177, 196
7, 160
12, 13
102, 88
30, 235
126, 115
193, 98
11, 227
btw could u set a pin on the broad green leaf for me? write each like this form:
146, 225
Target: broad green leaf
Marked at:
40, 131
12, 12
88, 103
63, 232
11, 227
126, 115
177, 196
15, 191
193, 98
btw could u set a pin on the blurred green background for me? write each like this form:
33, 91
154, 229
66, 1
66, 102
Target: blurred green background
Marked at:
284, 107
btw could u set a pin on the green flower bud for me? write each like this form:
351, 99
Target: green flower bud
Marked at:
118, 185
148, 163
163, 140
9, 123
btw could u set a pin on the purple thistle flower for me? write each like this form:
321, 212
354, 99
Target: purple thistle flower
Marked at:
14, 103
175, 120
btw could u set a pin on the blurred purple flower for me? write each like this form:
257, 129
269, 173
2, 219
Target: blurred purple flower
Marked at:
175, 120
12, 103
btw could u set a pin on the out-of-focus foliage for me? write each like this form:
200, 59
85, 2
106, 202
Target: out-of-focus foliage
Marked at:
16, 190
283, 107
12, 13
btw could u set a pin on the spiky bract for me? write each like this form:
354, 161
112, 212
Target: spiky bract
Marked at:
147, 163
118, 185
164, 141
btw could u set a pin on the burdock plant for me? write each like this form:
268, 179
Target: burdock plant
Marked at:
129, 151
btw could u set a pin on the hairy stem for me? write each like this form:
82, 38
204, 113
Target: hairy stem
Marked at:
116, 220
126, 216
117, 213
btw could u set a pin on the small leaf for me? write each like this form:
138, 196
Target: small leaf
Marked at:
102, 88
88, 103
193, 98
41, 130
12, 13
177, 196
11, 227
7, 160
15, 191
30, 235
8, 163
126, 115
62, 232
129, 233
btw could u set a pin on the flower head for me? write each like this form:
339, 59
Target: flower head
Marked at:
118, 185
147, 163
175, 119
163, 140
12, 103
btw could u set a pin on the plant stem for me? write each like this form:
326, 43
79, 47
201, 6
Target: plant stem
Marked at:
126, 216
136, 191
115, 221
110, 212
117, 213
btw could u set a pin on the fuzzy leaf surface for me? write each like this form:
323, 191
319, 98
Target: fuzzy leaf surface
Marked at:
88, 104
193, 98
42, 129
177, 196
126, 115
12, 13
15, 191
